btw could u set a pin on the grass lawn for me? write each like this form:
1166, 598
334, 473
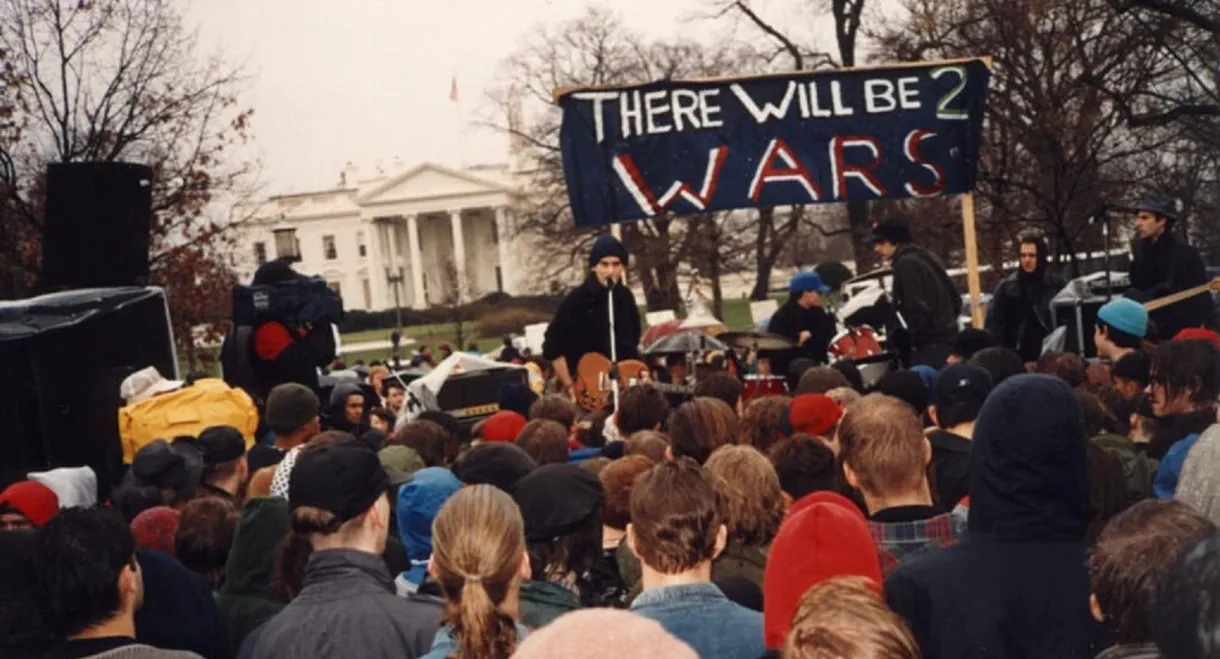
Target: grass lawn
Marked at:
736, 318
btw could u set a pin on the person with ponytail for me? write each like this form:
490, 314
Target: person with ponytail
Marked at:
479, 559
346, 605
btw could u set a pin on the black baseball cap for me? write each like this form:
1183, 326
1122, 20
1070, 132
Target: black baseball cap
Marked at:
220, 444
344, 479
961, 386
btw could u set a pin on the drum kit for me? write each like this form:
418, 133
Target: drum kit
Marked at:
860, 345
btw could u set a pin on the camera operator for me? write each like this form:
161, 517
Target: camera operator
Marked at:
278, 351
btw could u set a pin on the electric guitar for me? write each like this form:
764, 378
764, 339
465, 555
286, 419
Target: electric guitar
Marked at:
595, 374
1212, 286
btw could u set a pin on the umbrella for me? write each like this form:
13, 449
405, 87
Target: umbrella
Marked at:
685, 342
660, 331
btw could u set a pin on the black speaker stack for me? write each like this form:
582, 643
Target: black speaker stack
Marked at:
64, 353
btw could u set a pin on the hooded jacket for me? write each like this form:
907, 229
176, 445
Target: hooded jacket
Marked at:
1199, 486
1019, 315
335, 415
347, 608
419, 501
245, 599
582, 324
1016, 585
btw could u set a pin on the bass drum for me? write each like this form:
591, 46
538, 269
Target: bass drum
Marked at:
856, 344
758, 386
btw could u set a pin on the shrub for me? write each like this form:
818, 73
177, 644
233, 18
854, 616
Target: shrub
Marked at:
511, 320
359, 321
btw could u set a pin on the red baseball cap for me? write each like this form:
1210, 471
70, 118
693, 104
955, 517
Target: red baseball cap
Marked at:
503, 426
33, 499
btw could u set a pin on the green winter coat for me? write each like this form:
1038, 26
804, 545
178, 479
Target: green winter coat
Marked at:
245, 600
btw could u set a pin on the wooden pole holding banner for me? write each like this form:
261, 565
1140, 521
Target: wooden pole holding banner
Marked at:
972, 260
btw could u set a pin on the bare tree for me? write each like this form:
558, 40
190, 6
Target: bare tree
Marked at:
123, 81
597, 49
1055, 148
847, 15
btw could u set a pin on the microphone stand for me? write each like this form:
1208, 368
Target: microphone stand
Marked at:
613, 344
1103, 216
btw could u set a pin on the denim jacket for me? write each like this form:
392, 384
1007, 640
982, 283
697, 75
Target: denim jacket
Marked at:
703, 618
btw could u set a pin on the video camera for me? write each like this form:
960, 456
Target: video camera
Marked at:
295, 302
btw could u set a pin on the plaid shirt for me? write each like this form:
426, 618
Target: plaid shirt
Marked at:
899, 541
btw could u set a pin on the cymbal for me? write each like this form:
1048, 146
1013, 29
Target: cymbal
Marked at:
757, 340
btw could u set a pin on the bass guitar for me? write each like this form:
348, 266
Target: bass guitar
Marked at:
1212, 286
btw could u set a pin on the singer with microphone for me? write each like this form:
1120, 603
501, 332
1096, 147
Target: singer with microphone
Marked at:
584, 324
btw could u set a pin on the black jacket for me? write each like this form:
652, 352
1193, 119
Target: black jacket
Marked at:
925, 296
1019, 315
1017, 585
582, 324
1167, 266
791, 319
179, 611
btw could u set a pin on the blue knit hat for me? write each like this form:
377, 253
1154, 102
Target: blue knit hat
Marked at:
1125, 315
803, 282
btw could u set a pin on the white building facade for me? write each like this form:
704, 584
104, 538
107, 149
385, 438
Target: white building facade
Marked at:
428, 235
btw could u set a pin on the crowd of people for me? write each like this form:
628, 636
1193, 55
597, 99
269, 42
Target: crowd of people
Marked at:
987, 507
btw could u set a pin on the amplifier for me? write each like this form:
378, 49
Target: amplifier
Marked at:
473, 395
1076, 308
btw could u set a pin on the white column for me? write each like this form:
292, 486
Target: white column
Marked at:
376, 265
417, 262
459, 253
507, 275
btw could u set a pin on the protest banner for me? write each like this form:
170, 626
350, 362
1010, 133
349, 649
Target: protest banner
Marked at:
895, 131
807, 137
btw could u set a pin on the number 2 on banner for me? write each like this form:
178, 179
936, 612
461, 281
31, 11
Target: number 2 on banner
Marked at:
943, 111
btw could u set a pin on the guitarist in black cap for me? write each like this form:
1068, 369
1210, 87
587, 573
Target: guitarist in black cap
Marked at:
925, 301
1162, 265
582, 323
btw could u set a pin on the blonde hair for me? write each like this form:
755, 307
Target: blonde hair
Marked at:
842, 618
478, 544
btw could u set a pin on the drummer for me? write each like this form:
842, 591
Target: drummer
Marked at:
803, 320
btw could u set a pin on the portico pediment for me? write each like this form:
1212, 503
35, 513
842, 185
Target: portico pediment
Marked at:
429, 181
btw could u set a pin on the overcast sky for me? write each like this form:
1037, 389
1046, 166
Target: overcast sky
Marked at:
369, 80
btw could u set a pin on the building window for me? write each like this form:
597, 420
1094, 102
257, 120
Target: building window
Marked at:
361, 248
260, 253
368, 292
499, 279
495, 232
397, 242
328, 248
334, 286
